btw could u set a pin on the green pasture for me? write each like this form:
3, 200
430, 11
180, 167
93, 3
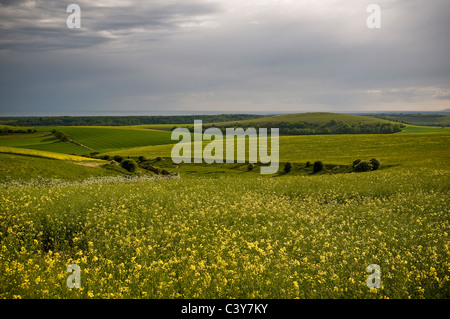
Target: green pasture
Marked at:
392, 149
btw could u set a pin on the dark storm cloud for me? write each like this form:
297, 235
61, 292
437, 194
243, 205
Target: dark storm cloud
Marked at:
37, 25
10, 2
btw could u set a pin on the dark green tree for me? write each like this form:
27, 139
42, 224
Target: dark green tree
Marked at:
318, 166
130, 165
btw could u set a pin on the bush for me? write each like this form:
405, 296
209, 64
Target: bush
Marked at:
118, 158
153, 169
61, 136
362, 166
106, 157
288, 167
308, 164
129, 165
365, 166
141, 158
375, 164
250, 167
318, 166
356, 162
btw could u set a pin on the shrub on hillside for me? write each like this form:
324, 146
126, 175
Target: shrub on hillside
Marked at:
356, 162
250, 167
365, 166
375, 164
287, 167
118, 158
130, 165
362, 166
318, 166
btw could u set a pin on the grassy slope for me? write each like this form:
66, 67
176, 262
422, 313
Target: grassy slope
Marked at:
111, 138
44, 154
95, 138
43, 141
423, 129
343, 149
15, 167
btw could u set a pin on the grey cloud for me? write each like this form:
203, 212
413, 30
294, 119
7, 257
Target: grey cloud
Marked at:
11, 2
117, 22
142, 57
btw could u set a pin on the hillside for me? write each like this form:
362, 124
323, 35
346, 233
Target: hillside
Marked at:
427, 119
315, 117
96, 139
321, 123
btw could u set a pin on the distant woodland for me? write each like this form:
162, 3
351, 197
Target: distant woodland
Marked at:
120, 120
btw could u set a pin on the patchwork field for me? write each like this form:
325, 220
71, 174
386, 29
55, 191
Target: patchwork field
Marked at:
219, 230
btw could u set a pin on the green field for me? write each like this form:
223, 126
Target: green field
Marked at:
220, 231
404, 149
424, 129
22, 168
99, 139
429, 119
110, 138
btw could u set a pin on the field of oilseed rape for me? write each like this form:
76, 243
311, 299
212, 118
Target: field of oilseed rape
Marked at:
229, 237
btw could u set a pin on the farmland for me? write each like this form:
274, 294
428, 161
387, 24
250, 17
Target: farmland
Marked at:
221, 231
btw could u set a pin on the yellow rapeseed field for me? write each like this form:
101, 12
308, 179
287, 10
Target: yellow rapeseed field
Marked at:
230, 237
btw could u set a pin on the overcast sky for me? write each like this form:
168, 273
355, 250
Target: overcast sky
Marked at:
273, 56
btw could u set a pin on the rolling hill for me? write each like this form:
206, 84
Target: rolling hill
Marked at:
314, 117
320, 123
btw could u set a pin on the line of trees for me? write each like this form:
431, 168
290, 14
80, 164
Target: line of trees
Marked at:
331, 127
6, 130
61, 136
123, 120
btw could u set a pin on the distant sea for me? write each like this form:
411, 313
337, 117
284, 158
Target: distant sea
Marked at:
13, 113
130, 113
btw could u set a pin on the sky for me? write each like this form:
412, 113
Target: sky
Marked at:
134, 57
